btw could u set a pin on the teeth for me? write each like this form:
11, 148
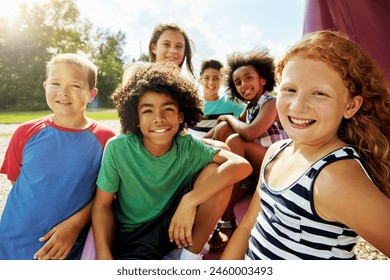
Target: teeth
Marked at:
301, 122
159, 130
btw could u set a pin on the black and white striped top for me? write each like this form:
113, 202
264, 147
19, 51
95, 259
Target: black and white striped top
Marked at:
288, 226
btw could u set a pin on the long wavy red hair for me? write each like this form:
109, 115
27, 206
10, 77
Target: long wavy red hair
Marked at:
369, 129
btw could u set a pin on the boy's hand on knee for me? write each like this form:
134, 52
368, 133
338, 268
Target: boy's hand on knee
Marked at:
180, 229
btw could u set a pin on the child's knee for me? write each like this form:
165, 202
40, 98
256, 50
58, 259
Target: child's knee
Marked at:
234, 140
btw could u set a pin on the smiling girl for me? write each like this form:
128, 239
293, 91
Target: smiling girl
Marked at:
330, 182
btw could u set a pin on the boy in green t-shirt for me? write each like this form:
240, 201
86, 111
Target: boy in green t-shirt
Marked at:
168, 189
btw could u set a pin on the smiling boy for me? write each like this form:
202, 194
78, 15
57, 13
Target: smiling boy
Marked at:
169, 188
52, 164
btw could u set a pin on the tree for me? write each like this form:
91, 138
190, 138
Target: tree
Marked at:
109, 59
40, 31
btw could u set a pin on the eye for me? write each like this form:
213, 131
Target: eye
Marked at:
169, 109
319, 93
76, 86
248, 78
287, 90
238, 83
147, 111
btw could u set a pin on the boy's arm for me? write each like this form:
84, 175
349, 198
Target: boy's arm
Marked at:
61, 238
232, 169
103, 224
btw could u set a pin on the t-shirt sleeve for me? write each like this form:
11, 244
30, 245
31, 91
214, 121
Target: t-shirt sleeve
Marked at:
108, 178
13, 156
202, 154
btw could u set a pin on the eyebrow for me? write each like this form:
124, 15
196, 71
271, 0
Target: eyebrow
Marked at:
147, 105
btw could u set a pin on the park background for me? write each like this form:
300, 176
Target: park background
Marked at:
115, 33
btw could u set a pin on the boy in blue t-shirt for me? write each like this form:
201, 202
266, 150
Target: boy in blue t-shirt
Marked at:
52, 164
169, 188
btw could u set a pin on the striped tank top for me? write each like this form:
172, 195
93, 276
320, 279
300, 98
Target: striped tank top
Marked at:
288, 227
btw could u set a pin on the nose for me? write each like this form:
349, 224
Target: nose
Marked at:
299, 103
64, 90
159, 117
172, 50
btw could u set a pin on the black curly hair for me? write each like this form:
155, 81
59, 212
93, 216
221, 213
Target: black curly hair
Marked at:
260, 60
160, 77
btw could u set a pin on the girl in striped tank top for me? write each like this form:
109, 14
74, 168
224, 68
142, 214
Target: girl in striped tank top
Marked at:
329, 184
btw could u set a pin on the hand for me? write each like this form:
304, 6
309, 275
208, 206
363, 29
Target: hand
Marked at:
222, 118
180, 229
59, 241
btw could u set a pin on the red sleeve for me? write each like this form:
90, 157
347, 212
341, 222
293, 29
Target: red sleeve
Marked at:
103, 133
13, 155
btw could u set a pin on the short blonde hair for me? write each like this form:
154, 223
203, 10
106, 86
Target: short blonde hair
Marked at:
79, 61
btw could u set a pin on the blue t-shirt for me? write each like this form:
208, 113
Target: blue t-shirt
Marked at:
55, 171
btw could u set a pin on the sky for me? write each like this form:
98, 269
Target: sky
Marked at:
216, 27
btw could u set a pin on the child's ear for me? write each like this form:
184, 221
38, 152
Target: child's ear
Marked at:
44, 85
153, 48
353, 106
93, 92
181, 117
263, 81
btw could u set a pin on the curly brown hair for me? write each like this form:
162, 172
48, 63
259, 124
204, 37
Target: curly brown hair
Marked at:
160, 77
260, 60
369, 129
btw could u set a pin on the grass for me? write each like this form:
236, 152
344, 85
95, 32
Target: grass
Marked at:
19, 117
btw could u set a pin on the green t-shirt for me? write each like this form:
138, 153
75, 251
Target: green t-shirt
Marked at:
145, 183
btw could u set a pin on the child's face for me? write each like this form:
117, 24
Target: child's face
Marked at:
170, 46
312, 101
159, 120
67, 90
211, 81
248, 83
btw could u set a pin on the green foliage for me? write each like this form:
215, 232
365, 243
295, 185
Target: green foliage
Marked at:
42, 30
108, 58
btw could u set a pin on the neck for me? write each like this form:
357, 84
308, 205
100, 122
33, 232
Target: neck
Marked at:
79, 122
211, 97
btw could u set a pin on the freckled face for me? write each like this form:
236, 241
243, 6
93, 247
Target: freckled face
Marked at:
312, 101
159, 120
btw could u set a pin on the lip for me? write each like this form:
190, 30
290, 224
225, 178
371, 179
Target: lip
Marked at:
63, 102
171, 59
160, 130
300, 122
246, 92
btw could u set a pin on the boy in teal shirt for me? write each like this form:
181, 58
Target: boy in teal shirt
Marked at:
169, 189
